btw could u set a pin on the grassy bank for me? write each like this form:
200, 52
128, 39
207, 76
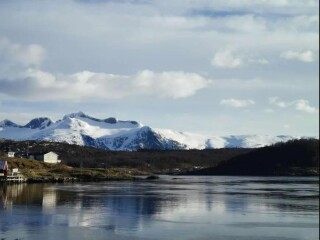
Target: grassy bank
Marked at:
40, 171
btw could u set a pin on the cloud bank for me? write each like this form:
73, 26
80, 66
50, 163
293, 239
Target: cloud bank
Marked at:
35, 84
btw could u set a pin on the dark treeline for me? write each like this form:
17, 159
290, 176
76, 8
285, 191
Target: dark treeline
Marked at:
155, 160
296, 157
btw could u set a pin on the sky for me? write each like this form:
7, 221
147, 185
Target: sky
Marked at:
215, 67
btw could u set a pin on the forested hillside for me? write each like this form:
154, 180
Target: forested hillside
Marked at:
296, 157
154, 160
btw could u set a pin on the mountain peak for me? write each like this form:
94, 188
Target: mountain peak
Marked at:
39, 123
8, 123
81, 114
110, 120
75, 115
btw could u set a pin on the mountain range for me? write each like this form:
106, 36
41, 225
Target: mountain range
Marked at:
112, 134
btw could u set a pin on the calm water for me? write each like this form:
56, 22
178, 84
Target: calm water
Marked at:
243, 208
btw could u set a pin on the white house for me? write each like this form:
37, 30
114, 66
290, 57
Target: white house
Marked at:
48, 157
15, 172
11, 154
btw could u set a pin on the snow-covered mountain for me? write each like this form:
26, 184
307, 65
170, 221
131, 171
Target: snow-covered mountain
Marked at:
112, 134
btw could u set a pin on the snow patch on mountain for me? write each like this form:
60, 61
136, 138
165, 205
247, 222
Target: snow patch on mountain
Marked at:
190, 140
197, 141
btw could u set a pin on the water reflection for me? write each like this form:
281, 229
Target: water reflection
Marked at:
216, 205
4, 197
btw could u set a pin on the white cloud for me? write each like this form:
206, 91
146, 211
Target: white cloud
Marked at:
226, 59
277, 102
27, 55
36, 84
300, 105
304, 56
170, 84
303, 105
238, 103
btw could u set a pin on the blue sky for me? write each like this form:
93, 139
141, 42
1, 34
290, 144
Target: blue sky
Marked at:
215, 67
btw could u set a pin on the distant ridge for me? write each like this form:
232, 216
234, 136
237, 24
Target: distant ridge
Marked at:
113, 134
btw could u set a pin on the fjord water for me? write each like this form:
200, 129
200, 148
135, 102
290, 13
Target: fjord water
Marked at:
243, 208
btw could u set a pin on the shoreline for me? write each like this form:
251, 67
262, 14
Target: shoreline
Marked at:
79, 180
129, 178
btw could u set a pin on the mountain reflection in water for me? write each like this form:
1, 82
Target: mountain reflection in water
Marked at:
171, 208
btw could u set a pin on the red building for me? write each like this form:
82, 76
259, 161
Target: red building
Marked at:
3, 168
